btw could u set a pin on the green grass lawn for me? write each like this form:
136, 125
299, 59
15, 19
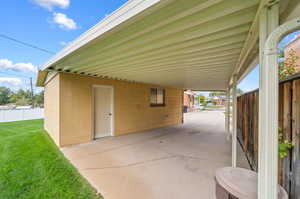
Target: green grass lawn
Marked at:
31, 166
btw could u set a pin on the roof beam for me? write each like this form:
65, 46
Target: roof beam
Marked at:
181, 63
221, 65
232, 21
162, 62
230, 37
250, 43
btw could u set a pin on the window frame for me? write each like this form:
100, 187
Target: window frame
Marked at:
156, 96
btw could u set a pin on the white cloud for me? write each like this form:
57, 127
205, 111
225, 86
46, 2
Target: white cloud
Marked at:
20, 67
11, 80
64, 22
49, 4
63, 43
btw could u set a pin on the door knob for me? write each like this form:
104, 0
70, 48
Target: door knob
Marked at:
109, 114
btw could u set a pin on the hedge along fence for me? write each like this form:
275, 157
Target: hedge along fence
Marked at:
289, 122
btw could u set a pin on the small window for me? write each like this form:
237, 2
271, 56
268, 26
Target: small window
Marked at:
157, 97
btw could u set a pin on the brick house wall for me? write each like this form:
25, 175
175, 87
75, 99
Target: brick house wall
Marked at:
188, 100
295, 45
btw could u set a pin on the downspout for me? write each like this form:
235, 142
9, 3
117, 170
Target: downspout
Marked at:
268, 127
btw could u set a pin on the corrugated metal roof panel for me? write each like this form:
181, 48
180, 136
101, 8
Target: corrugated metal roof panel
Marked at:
183, 43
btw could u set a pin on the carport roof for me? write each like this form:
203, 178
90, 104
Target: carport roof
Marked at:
192, 44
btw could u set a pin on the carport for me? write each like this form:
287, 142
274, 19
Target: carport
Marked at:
188, 44
172, 162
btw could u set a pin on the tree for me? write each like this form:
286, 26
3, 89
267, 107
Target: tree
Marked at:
216, 93
289, 65
201, 99
5, 94
39, 98
21, 97
281, 53
22, 101
239, 91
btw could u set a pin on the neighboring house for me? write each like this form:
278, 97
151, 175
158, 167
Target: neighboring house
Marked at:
294, 45
189, 100
218, 100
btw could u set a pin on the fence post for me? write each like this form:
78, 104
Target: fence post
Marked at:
234, 122
268, 107
23, 114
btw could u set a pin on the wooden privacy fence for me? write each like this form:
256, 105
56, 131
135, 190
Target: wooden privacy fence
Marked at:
289, 122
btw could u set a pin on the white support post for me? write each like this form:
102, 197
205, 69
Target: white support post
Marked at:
268, 109
227, 114
234, 122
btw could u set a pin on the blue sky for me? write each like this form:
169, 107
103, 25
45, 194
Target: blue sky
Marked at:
48, 24
251, 81
51, 24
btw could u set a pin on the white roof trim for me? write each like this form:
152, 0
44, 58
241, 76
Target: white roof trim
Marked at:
125, 12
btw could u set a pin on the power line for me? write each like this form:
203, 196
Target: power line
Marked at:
26, 44
27, 82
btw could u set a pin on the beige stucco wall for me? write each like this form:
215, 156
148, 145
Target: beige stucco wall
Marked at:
132, 111
52, 118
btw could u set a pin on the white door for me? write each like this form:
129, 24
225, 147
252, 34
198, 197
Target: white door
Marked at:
103, 105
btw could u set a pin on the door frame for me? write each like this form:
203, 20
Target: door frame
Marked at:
112, 124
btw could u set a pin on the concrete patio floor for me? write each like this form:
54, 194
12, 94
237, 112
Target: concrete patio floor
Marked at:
177, 162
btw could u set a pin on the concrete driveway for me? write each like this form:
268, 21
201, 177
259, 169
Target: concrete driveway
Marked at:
176, 162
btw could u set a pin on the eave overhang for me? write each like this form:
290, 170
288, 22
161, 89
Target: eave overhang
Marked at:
184, 43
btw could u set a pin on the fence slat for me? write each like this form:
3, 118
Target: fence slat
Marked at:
295, 183
246, 126
18, 115
289, 122
280, 126
286, 110
255, 131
